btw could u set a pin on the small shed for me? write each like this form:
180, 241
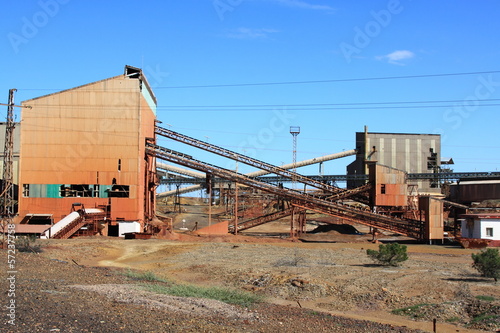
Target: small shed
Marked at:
483, 226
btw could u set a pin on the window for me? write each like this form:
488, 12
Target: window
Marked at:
26, 190
432, 162
489, 232
382, 189
75, 190
72, 190
119, 191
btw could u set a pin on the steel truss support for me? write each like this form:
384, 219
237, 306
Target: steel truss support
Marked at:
407, 227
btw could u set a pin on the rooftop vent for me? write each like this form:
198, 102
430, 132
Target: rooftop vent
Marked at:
132, 72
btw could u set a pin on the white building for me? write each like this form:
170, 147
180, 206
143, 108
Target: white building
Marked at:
484, 226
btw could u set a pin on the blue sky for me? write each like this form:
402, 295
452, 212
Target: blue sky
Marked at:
197, 53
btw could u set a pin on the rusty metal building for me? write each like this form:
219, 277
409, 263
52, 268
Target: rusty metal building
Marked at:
467, 192
412, 153
86, 145
389, 186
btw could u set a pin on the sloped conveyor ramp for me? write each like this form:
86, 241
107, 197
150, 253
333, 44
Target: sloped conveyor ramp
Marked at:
411, 228
245, 159
70, 224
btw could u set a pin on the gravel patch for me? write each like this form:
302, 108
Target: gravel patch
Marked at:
134, 294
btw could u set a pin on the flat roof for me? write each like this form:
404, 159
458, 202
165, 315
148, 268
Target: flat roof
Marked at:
478, 182
422, 134
31, 228
482, 216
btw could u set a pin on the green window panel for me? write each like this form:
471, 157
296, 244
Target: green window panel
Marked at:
53, 191
103, 190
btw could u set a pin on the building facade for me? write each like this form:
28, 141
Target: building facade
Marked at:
411, 153
86, 146
468, 192
483, 226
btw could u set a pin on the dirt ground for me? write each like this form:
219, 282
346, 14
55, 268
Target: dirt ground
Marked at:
323, 282
324, 277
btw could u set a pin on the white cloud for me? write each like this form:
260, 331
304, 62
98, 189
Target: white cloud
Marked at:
304, 5
301, 4
397, 57
248, 33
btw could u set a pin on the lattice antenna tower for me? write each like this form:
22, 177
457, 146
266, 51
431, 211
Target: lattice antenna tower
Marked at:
7, 195
294, 131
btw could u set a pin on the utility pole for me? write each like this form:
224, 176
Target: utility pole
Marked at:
236, 204
7, 200
294, 130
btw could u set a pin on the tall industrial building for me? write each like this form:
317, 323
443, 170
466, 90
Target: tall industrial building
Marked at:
412, 153
86, 146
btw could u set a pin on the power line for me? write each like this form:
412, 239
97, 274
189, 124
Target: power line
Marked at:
297, 107
335, 108
327, 81
327, 104
294, 82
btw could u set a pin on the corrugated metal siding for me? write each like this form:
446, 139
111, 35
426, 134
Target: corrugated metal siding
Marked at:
466, 193
72, 136
392, 181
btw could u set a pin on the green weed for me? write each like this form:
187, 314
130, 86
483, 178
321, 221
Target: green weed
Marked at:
225, 295
143, 276
485, 298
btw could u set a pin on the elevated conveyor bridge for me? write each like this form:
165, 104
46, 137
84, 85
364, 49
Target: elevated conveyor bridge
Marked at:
411, 228
247, 160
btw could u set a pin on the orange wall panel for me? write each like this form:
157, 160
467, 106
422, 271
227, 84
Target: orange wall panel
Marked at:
59, 207
81, 141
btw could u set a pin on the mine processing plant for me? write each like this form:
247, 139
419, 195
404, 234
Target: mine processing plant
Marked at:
86, 160
326, 199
